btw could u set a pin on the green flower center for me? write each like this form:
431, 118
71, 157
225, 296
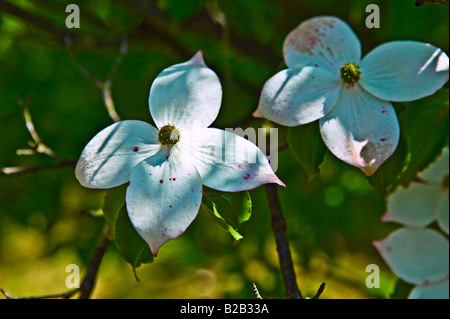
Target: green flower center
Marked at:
168, 135
350, 73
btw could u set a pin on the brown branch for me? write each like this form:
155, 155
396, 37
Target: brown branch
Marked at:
60, 34
29, 18
103, 86
422, 2
319, 291
88, 283
278, 224
15, 170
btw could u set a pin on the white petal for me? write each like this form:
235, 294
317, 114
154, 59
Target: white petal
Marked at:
298, 96
415, 206
436, 291
325, 42
361, 129
228, 162
186, 95
436, 172
404, 70
163, 197
108, 159
418, 256
443, 213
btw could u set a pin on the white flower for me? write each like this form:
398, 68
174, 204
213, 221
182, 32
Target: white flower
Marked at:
417, 255
166, 167
326, 79
423, 201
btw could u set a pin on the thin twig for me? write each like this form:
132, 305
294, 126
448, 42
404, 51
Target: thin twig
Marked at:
37, 146
88, 283
319, 291
278, 224
57, 33
103, 86
29, 18
14, 170
422, 2
65, 295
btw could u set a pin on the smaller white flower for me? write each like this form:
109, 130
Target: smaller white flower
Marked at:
327, 80
423, 201
417, 255
420, 257
166, 167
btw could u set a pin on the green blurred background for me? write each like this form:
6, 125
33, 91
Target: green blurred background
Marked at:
332, 220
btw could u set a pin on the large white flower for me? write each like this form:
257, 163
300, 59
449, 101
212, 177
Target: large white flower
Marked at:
166, 167
418, 255
326, 79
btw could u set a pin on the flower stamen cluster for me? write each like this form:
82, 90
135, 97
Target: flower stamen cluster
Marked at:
168, 135
350, 73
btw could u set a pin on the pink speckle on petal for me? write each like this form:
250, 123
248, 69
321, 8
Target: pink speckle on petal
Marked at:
170, 206
384, 139
161, 181
174, 179
389, 248
247, 176
384, 111
135, 149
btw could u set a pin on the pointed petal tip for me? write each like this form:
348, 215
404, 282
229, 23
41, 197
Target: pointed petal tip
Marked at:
279, 182
369, 171
378, 244
257, 113
385, 218
198, 58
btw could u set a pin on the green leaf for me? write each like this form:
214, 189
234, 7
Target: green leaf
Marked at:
307, 146
129, 243
114, 200
402, 290
229, 210
426, 123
